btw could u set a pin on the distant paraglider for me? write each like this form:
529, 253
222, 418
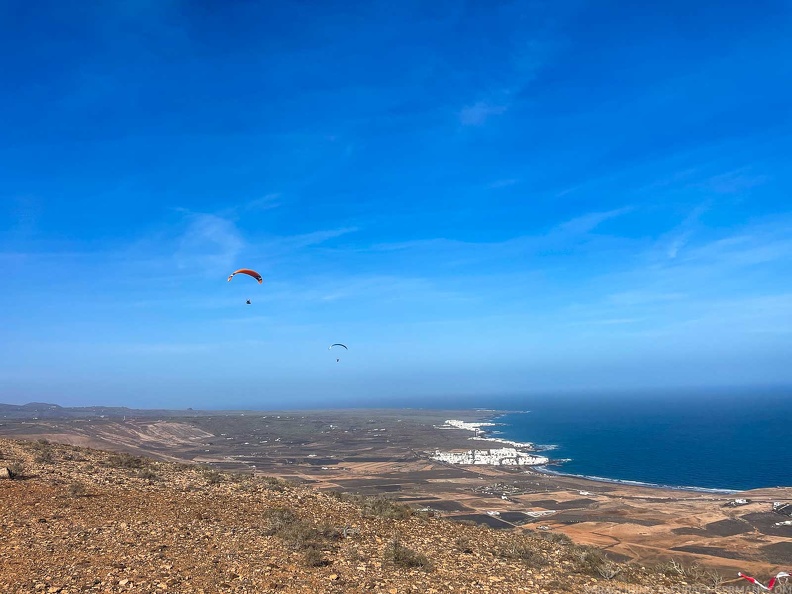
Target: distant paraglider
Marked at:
337, 344
249, 272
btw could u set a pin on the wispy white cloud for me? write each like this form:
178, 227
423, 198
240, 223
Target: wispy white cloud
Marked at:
503, 183
748, 245
735, 283
303, 240
565, 233
607, 322
266, 202
678, 238
210, 243
169, 348
588, 222
721, 320
262, 203
525, 58
642, 297
734, 182
379, 288
478, 113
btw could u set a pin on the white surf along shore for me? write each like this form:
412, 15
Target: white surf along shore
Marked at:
513, 455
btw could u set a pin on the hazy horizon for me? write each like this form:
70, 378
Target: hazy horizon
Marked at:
514, 402
477, 198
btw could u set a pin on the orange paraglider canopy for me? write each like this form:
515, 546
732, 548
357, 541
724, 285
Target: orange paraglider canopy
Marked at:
249, 272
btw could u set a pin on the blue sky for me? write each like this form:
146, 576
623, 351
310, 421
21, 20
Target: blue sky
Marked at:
477, 197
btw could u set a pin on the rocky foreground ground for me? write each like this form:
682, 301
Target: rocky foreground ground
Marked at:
82, 520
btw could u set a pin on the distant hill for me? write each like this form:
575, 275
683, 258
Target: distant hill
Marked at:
44, 410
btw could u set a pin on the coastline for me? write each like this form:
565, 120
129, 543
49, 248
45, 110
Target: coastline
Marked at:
515, 454
629, 483
492, 421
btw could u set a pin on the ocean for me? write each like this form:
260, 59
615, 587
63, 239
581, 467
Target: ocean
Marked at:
716, 441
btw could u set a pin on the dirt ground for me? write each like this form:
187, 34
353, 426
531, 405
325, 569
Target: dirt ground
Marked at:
388, 453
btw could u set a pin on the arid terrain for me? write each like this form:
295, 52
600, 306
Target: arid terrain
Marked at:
376, 453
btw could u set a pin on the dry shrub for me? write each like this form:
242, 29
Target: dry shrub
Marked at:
17, 470
45, 453
402, 556
560, 585
45, 456
380, 507
296, 532
463, 545
148, 475
78, 489
280, 517
313, 558
554, 537
593, 561
124, 460
609, 569
522, 549
213, 477
693, 573
274, 483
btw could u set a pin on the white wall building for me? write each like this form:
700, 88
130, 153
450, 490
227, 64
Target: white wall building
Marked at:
494, 457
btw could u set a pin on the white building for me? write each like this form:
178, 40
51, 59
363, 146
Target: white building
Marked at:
493, 457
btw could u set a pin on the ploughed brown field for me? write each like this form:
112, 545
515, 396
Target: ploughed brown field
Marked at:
387, 452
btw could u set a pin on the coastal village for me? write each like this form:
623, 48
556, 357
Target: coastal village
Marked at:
504, 456
494, 456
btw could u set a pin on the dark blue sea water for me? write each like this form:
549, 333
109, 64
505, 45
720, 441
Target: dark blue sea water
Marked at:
717, 441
